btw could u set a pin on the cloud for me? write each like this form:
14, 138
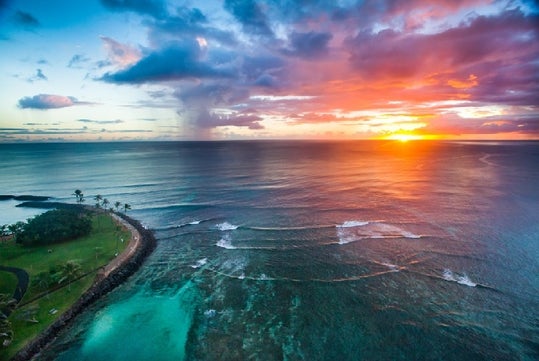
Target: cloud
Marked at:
250, 14
155, 8
48, 101
25, 20
38, 76
117, 121
311, 45
77, 60
213, 120
174, 62
119, 54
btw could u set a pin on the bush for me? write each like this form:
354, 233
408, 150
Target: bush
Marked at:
54, 226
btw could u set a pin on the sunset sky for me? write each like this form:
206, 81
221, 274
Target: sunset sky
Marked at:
272, 69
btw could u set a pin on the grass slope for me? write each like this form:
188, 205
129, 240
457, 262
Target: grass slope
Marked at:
91, 252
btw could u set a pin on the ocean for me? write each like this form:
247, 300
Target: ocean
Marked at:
306, 250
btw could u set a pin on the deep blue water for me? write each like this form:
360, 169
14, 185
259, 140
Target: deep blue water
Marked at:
307, 250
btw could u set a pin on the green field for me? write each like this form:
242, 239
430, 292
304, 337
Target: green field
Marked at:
90, 252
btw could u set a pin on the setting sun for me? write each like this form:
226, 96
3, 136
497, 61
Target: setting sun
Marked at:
404, 137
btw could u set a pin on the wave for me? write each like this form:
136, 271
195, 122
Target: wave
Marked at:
349, 224
352, 231
200, 263
296, 228
463, 279
225, 243
225, 226
181, 225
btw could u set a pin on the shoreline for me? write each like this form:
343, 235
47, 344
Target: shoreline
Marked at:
141, 245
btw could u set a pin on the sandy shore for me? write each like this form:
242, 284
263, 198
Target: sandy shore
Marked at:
141, 245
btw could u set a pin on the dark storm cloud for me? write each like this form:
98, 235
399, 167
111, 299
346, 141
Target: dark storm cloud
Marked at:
311, 45
250, 14
500, 51
174, 62
187, 23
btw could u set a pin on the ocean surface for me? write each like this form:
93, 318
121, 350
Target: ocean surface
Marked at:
286, 250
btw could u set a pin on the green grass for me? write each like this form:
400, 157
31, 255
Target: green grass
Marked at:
8, 282
91, 252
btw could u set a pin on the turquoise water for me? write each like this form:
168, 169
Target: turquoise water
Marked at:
308, 250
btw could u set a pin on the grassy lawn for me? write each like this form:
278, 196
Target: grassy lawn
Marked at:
8, 282
91, 252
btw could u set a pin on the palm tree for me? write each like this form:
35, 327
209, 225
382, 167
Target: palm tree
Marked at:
70, 271
117, 205
4, 232
78, 194
105, 203
126, 207
98, 198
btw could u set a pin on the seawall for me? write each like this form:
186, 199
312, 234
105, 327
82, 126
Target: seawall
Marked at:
124, 266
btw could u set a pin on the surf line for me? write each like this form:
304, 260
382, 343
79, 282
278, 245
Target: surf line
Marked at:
264, 278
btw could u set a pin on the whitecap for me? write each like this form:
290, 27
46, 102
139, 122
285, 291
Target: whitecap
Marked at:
200, 263
448, 275
210, 313
348, 224
225, 226
194, 222
465, 280
352, 231
225, 243
391, 266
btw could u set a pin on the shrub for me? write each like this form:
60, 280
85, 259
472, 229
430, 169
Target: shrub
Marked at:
55, 226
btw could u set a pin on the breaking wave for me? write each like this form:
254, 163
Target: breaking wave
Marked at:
463, 279
352, 231
225, 226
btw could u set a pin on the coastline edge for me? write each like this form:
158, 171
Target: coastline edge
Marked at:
130, 261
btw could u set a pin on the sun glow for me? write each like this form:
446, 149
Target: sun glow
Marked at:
401, 137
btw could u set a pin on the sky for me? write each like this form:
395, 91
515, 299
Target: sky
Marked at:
119, 70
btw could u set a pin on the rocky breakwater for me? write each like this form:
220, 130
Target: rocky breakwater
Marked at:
141, 245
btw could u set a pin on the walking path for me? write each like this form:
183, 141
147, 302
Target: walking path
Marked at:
127, 253
22, 282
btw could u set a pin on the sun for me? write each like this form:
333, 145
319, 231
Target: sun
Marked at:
404, 137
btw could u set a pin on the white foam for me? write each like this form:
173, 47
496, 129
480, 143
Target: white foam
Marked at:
200, 263
225, 243
352, 231
391, 266
194, 222
210, 313
348, 224
448, 275
225, 226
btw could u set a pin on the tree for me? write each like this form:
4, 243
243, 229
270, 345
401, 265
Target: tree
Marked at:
117, 205
79, 195
69, 272
57, 225
4, 232
98, 198
16, 230
126, 207
105, 203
